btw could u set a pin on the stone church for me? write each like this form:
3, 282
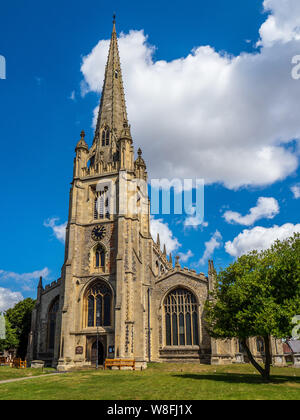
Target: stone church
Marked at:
120, 295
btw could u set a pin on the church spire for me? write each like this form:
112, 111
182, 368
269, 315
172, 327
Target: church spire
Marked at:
112, 112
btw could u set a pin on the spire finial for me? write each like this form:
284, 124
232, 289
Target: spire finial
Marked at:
114, 22
82, 134
140, 152
177, 265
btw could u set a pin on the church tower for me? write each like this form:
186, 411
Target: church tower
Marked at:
108, 243
119, 295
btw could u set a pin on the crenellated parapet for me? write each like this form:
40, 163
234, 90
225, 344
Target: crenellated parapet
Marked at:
51, 286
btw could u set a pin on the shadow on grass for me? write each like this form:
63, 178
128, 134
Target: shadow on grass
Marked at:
239, 378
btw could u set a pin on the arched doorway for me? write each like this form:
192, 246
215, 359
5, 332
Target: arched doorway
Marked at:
100, 355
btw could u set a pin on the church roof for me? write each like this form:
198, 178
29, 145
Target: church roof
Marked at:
112, 111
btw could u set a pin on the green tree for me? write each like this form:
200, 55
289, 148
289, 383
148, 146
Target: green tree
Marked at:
258, 295
20, 319
11, 340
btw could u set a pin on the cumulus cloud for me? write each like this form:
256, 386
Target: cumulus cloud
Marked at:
59, 231
214, 243
165, 234
227, 119
282, 24
27, 281
259, 238
296, 191
266, 207
8, 299
184, 257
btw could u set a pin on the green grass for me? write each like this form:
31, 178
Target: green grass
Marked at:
161, 381
13, 373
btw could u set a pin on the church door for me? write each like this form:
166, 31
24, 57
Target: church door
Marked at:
101, 354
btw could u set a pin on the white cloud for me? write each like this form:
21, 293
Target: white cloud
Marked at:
73, 95
283, 23
259, 238
165, 233
59, 231
26, 280
185, 257
210, 246
8, 299
296, 191
223, 118
266, 207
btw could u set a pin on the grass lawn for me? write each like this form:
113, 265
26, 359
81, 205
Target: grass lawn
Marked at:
13, 373
160, 381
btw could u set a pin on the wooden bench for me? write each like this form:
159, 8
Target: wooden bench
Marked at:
18, 363
119, 363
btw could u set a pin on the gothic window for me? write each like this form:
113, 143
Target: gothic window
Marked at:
105, 136
98, 305
100, 257
260, 345
52, 315
181, 318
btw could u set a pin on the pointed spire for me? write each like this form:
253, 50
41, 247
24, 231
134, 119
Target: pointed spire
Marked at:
170, 259
112, 111
165, 250
40, 286
158, 240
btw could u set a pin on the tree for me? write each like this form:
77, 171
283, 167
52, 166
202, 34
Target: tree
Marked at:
20, 319
258, 296
11, 340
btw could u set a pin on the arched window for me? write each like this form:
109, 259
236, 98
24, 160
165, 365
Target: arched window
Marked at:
260, 345
181, 318
105, 136
100, 257
98, 305
52, 315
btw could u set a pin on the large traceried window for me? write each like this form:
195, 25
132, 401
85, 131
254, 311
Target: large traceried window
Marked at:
98, 305
181, 318
52, 315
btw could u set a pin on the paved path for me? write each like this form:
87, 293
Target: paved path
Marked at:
7, 381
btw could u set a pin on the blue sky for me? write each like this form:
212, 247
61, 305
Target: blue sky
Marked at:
241, 131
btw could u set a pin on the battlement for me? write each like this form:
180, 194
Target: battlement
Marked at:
51, 286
